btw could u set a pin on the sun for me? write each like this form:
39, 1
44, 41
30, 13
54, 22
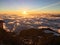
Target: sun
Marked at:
24, 12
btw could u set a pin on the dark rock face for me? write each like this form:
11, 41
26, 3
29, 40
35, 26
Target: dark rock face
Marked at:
4, 36
38, 37
29, 37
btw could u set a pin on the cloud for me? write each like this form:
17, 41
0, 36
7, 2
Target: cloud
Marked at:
50, 5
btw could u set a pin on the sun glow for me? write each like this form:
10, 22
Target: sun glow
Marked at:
24, 12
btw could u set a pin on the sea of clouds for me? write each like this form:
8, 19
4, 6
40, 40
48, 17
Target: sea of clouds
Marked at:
17, 23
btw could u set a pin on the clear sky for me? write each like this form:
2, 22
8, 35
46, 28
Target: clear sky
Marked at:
30, 5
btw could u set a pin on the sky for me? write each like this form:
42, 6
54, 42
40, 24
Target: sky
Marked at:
11, 6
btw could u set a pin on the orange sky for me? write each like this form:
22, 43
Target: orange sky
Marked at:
29, 12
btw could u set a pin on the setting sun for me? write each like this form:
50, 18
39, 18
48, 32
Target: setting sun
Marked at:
24, 12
